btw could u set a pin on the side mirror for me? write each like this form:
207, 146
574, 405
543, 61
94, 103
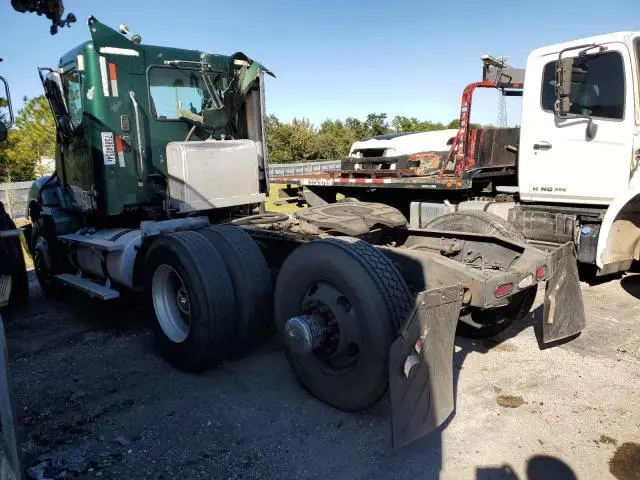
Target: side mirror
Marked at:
564, 72
6, 112
3, 132
52, 83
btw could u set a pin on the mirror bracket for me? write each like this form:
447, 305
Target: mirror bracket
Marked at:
564, 71
9, 106
52, 85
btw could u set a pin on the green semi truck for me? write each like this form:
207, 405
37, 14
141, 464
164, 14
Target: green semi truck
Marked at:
160, 182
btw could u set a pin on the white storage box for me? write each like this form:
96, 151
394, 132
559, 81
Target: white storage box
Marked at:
213, 174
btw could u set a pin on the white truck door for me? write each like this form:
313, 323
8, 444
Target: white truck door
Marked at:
557, 162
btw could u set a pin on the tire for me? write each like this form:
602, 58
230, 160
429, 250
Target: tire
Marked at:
207, 315
19, 284
378, 302
251, 280
485, 323
46, 253
12, 261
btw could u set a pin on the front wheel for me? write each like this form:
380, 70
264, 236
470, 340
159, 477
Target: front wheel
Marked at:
43, 264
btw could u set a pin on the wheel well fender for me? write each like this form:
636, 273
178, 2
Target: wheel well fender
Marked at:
45, 191
139, 265
619, 239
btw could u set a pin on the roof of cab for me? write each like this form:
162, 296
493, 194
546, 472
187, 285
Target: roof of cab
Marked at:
597, 39
74, 52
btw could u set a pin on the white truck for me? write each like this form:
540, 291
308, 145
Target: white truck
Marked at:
395, 144
569, 173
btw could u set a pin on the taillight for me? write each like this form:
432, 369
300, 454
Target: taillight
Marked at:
541, 272
504, 289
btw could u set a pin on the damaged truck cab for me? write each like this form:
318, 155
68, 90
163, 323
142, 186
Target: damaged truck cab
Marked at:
118, 106
159, 188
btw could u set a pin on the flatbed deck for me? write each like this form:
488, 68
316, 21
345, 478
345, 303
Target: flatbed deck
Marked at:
383, 179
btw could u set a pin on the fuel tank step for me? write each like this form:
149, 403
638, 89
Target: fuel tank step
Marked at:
87, 286
89, 241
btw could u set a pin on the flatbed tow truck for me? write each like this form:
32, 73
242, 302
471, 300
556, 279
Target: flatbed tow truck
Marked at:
568, 173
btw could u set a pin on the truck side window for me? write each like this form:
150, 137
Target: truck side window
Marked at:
175, 92
73, 96
597, 86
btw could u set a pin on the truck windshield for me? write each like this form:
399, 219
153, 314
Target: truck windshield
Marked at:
176, 93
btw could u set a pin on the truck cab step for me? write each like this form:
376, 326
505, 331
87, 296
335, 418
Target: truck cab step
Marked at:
89, 241
87, 286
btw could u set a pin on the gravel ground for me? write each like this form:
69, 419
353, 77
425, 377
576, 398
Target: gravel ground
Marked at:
94, 400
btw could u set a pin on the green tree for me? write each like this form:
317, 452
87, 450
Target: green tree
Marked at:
291, 142
454, 123
335, 139
299, 140
304, 140
4, 110
412, 124
32, 138
277, 141
377, 124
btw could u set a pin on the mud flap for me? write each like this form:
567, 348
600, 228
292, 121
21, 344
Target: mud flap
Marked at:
421, 365
563, 308
9, 460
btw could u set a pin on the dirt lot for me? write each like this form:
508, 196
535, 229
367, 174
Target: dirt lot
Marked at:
94, 400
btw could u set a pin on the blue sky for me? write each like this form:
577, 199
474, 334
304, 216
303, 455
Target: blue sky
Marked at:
334, 58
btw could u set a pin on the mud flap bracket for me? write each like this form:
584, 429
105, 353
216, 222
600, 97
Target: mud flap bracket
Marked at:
421, 365
563, 306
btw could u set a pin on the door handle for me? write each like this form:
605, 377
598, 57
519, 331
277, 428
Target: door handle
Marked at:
542, 146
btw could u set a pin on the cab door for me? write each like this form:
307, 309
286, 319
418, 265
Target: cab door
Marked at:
64, 91
558, 162
78, 168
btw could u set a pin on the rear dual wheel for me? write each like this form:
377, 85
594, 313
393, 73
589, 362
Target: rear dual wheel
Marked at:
251, 281
192, 298
210, 294
339, 304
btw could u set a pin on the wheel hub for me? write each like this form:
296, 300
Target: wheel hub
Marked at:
42, 260
171, 303
182, 299
328, 327
304, 333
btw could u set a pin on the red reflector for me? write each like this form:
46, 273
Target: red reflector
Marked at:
504, 289
541, 272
